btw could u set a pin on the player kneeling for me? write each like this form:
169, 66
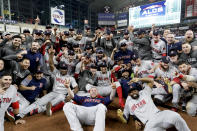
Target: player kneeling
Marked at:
140, 105
91, 111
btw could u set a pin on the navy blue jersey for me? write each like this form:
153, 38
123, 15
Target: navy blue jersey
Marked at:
88, 102
35, 60
126, 56
125, 86
31, 95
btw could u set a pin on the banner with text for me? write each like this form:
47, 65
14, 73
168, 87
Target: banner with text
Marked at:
57, 16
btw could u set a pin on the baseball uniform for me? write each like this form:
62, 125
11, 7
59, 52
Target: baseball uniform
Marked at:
158, 49
10, 96
153, 119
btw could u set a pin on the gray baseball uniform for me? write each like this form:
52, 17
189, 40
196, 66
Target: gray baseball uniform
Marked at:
153, 119
158, 49
10, 96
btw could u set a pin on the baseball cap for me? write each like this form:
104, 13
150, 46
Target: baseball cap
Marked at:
47, 32
126, 32
71, 29
135, 86
5, 34
101, 51
62, 65
87, 27
98, 28
93, 66
108, 32
87, 55
79, 31
102, 64
66, 33
38, 32
165, 59
123, 44
38, 71
125, 70
155, 33
48, 27
135, 57
88, 47
70, 52
141, 31
75, 45
173, 53
16, 36
26, 31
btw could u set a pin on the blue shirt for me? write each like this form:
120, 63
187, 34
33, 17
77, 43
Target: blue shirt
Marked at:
35, 60
175, 46
31, 95
88, 102
126, 56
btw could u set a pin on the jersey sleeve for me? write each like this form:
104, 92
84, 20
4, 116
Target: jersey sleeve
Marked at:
106, 100
147, 90
73, 82
79, 99
26, 81
78, 67
126, 111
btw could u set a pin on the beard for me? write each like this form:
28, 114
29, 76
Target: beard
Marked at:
135, 96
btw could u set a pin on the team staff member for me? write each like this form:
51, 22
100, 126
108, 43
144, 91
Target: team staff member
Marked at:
8, 96
90, 111
140, 104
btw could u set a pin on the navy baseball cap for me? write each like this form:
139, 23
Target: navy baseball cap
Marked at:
87, 27
79, 31
66, 33
98, 28
75, 45
123, 44
108, 32
155, 33
26, 31
126, 32
135, 57
135, 86
16, 36
70, 52
100, 51
102, 64
165, 59
87, 55
71, 29
38, 32
47, 32
88, 47
173, 53
38, 71
48, 27
93, 66
62, 65
141, 31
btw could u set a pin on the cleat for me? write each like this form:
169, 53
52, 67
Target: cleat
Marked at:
10, 116
49, 111
120, 116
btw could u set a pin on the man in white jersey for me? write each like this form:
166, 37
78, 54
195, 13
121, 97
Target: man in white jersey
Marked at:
158, 47
140, 104
8, 96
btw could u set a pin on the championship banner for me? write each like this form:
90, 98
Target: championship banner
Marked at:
159, 13
57, 16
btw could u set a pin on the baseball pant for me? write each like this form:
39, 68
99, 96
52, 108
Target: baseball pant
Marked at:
159, 93
41, 103
176, 92
2, 120
164, 120
23, 103
77, 115
192, 106
103, 90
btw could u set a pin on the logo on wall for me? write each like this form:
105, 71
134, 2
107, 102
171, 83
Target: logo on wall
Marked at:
57, 16
107, 9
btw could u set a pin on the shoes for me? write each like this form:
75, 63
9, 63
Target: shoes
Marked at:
120, 116
34, 111
49, 111
183, 108
10, 116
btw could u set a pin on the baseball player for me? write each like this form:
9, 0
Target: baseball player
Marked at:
140, 105
126, 40
188, 75
167, 72
158, 47
8, 96
142, 68
90, 111
104, 78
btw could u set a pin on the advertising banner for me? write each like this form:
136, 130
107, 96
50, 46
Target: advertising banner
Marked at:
2, 27
106, 19
13, 28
